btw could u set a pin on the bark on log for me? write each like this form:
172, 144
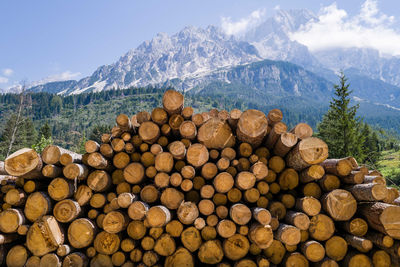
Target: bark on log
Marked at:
307, 152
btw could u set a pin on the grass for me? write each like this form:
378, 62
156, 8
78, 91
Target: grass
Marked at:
389, 166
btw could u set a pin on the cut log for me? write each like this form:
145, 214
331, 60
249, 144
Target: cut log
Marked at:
24, 163
187, 212
240, 214
336, 248
274, 116
355, 177
210, 252
216, 134
134, 173
106, 243
99, 181
91, 146
312, 173
321, 227
81, 233
308, 205
339, 204
173, 102
188, 130
164, 162
252, 127
236, 247
382, 217
149, 132
356, 226
10, 220
313, 251
2, 169
261, 215
76, 259
181, 257
158, 216
197, 155
338, 167
298, 219
368, 192
288, 234
276, 131
284, 144
380, 258
76, 171
302, 131
66, 210
114, 222
360, 243
245, 180
44, 236
261, 235
329, 182
307, 152
37, 205
51, 171
15, 197
83, 195
17, 256
191, 239
296, 259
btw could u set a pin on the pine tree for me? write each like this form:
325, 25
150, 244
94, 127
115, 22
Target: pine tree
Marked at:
45, 131
340, 126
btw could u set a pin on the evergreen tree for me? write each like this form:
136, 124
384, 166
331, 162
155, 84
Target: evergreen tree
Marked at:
25, 134
45, 131
340, 126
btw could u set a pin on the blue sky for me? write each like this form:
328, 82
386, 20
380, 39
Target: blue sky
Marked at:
57, 39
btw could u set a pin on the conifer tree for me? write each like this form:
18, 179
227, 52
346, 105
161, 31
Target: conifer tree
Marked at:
340, 126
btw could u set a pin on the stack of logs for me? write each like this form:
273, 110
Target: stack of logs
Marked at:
174, 188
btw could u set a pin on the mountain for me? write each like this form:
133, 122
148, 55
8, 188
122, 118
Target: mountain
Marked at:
197, 59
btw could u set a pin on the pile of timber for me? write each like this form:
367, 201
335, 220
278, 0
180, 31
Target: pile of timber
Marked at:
174, 188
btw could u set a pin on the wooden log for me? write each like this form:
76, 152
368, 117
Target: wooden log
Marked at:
216, 134
261, 235
284, 144
339, 204
274, 116
210, 252
312, 173
24, 163
187, 212
106, 243
10, 220
354, 259
308, 205
252, 127
181, 257
91, 146
329, 182
123, 122
174, 123
81, 233
121, 160
8, 238
275, 252
245, 180
321, 227
307, 152
83, 195
382, 217
76, 259
276, 131
302, 131
115, 221
298, 219
240, 214
66, 210
288, 234
134, 173
381, 258
356, 226
37, 205
261, 215
188, 130
338, 167
379, 239
393, 193
173, 102
360, 243
313, 251
149, 132
15, 197
374, 179
17, 256
296, 259
368, 192
99, 181
51, 171
191, 238
355, 177
336, 248
197, 155
149, 194
288, 179
44, 236
177, 149
236, 247
117, 144
76, 171
158, 216
234, 116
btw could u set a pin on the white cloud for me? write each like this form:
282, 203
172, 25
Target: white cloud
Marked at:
3, 80
7, 72
244, 24
336, 29
66, 75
